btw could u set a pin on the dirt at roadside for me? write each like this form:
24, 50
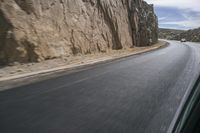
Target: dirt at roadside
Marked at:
19, 69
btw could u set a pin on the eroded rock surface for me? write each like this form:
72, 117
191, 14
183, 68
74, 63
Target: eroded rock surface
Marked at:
36, 30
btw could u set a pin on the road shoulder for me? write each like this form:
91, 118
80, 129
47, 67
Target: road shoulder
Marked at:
32, 71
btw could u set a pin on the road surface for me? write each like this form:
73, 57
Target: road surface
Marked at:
138, 94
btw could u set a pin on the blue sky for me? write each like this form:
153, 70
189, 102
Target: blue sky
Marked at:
177, 14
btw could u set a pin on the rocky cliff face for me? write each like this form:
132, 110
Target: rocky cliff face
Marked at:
36, 30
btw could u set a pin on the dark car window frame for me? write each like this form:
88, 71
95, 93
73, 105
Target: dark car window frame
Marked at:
186, 119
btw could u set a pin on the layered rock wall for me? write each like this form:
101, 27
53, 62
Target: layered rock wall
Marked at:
36, 30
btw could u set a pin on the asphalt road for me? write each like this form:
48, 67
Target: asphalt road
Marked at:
138, 94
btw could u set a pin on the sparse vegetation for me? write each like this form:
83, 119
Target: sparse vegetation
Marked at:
192, 35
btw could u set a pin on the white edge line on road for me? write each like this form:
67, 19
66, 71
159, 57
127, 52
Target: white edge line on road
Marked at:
68, 67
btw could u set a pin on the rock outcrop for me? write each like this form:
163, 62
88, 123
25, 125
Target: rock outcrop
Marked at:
36, 30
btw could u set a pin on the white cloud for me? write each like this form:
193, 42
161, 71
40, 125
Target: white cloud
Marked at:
190, 22
193, 5
162, 18
188, 10
187, 24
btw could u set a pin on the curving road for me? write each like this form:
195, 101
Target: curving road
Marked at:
138, 94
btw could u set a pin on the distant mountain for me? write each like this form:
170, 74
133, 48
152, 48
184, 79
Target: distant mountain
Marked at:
169, 33
192, 35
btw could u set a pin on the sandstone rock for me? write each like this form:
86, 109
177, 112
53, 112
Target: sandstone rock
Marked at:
37, 30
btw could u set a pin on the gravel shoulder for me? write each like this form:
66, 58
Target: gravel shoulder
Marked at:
67, 63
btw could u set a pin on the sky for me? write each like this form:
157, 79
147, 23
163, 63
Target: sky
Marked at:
177, 14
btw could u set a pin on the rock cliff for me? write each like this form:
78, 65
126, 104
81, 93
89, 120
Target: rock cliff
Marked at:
36, 30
